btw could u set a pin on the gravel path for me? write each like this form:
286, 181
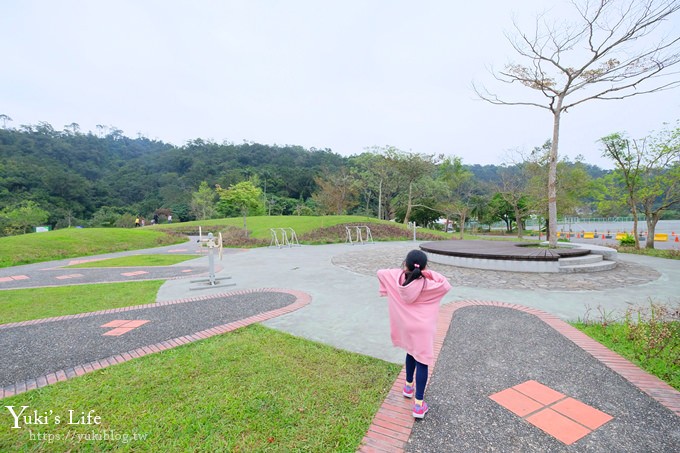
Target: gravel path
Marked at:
30, 351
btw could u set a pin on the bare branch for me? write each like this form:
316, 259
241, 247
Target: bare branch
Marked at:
485, 95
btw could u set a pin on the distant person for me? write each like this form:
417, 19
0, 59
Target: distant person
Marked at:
155, 219
143, 222
137, 222
413, 295
169, 218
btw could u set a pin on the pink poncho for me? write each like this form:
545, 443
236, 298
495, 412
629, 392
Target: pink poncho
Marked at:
413, 310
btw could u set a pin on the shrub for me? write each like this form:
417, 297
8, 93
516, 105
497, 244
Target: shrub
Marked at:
648, 336
627, 240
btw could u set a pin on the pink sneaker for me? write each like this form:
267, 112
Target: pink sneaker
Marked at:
420, 411
408, 391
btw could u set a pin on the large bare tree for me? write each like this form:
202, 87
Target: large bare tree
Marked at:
614, 49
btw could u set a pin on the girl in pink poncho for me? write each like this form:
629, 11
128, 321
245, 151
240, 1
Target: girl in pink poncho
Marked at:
414, 294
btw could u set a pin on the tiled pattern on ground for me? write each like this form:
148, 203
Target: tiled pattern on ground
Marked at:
562, 417
14, 278
133, 273
68, 276
368, 259
121, 326
56, 276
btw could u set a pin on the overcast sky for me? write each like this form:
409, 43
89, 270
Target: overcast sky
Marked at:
344, 75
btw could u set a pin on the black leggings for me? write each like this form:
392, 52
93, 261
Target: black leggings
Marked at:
420, 369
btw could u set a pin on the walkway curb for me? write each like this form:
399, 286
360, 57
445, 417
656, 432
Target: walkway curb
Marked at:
392, 425
302, 299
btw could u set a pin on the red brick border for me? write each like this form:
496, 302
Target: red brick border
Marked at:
392, 425
302, 299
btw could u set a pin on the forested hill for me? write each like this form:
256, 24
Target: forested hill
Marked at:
75, 176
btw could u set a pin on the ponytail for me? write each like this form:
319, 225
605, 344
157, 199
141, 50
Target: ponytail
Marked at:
415, 262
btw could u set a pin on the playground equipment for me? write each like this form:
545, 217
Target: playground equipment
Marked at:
288, 238
213, 244
362, 234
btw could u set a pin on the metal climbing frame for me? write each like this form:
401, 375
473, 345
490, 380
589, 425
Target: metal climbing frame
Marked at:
362, 234
288, 238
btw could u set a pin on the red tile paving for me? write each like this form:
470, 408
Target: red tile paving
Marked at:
74, 262
64, 277
118, 331
539, 392
564, 418
560, 427
116, 323
132, 274
516, 402
582, 413
14, 277
123, 326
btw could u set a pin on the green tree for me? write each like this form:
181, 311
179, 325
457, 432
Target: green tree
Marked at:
378, 173
594, 58
4, 118
459, 190
368, 180
22, 217
610, 198
574, 184
244, 198
480, 210
203, 202
411, 168
337, 192
628, 157
500, 209
649, 169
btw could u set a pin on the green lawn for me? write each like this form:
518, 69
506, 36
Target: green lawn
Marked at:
259, 225
35, 303
137, 260
253, 389
78, 242
670, 254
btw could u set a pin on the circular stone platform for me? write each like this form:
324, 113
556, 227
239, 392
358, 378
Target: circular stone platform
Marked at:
499, 255
367, 260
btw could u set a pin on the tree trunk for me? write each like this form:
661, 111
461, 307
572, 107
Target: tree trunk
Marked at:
552, 175
245, 227
380, 200
463, 216
408, 205
635, 225
651, 227
518, 220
